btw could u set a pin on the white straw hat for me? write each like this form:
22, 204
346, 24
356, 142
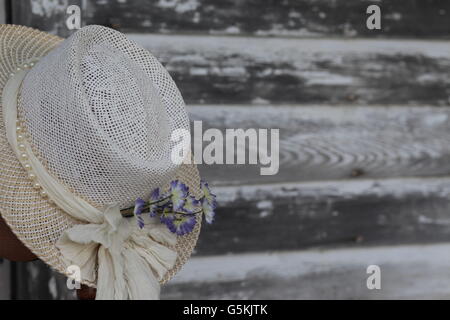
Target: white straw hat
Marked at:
85, 133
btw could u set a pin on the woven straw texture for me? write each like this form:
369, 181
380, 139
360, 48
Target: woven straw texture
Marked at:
98, 111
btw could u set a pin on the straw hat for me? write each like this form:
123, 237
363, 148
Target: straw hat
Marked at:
85, 135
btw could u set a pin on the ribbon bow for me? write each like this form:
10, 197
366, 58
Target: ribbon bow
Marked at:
130, 261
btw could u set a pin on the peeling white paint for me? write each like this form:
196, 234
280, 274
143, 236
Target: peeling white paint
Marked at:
232, 30
180, 6
52, 288
342, 188
195, 71
396, 16
327, 78
33, 271
428, 220
48, 8
265, 204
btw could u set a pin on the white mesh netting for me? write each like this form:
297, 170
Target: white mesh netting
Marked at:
99, 113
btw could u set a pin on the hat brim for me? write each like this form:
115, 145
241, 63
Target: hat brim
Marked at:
35, 221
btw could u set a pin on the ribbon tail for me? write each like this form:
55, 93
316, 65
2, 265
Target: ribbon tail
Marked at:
77, 248
120, 285
137, 274
105, 274
111, 284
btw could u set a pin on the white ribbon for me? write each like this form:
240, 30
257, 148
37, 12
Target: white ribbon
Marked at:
130, 261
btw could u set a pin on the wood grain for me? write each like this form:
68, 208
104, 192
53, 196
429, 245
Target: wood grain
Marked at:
293, 18
327, 143
235, 70
407, 272
296, 216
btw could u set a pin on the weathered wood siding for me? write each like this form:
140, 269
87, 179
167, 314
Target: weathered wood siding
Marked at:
293, 18
272, 70
364, 131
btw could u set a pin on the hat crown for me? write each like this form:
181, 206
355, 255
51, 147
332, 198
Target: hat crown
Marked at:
99, 111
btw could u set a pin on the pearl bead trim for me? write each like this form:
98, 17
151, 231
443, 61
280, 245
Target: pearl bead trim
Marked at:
25, 66
22, 147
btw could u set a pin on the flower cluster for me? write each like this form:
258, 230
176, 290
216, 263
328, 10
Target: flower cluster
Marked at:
177, 209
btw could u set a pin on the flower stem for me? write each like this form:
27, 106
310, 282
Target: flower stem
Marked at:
160, 200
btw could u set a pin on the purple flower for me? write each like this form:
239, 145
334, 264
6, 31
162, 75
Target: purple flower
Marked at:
139, 205
208, 195
157, 202
140, 222
191, 205
208, 211
182, 225
167, 215
177, 209
155, 195
153, 210
209, 203
179, 191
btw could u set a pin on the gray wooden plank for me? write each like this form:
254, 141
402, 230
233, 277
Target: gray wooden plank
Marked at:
37, 281
295, 18
5, 278
328, 143
257, 218
407, 272
237, 70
